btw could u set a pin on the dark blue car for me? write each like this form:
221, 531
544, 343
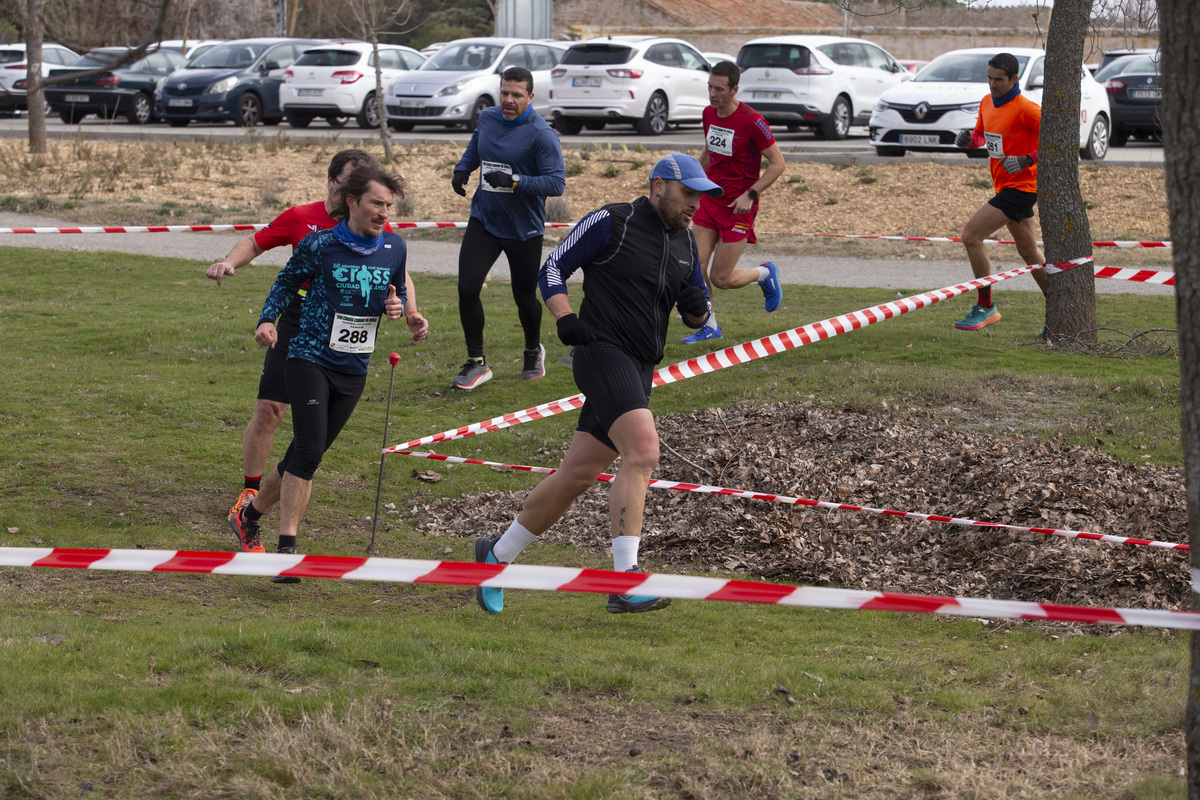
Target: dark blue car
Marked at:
236, 81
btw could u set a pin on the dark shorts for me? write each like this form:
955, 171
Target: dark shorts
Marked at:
719, 217
272, 385
613, 382
1015, 204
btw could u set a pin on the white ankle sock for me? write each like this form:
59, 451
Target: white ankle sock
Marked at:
711, 322
625, 552
763, 274
514, 540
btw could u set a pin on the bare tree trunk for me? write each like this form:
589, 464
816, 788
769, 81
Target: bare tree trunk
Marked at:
384, 138
35, 99
1070, 295
1180, 26
281, 17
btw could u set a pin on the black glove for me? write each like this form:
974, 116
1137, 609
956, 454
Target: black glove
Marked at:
460, 177
499, 180
1014, 164
573, 331
691, 301
963, 139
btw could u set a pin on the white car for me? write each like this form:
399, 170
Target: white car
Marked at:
717, 58
463, 78
13, 69
336, 81
648, 81
925, 114
823, 82
189, 48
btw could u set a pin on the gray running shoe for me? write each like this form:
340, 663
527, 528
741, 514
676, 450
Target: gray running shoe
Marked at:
285, 578
635, 603
472, 375
535, 364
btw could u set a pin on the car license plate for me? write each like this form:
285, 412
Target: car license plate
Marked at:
179, 102
76, 98
1146, 94
585, 81
409, 103
309, 92
920, 139
767, 95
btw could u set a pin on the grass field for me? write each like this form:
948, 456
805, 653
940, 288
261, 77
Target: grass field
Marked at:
128, 385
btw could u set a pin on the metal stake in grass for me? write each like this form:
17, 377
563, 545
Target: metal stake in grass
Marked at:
393, 359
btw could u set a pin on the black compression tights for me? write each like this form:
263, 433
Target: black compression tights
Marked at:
475, 259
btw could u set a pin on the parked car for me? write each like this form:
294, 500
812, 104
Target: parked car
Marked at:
337, 81
913, 66
1110, 56
1134, 97
926, 113
13, 69
125, 91
823, 82
190, 48
463, 78
716, 58
237, 81
647, 81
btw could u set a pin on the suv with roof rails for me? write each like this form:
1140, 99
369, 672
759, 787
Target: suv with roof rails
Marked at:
647, 81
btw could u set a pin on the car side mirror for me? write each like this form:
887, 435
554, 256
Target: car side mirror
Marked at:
1037, 83
270, 66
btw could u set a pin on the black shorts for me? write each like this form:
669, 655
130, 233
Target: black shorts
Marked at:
1015, 204
613, 382
272, 385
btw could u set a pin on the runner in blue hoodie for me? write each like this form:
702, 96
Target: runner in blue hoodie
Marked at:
520, 164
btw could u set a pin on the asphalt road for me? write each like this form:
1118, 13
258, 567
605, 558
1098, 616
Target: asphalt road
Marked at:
800, 146
906, 276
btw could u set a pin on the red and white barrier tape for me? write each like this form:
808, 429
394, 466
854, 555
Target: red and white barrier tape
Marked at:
397, 225
564, 579
952, 239
1140, 275
742, 353
701, 488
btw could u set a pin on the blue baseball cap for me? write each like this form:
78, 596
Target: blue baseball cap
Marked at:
687, 170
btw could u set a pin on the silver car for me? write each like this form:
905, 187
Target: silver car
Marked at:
463, 78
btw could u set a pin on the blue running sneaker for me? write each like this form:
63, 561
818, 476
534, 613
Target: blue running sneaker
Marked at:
979, 317
772, 291
703, 335
490, 600
635, 603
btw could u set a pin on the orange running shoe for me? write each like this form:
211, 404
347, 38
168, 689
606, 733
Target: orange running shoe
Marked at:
246, 533
243, 500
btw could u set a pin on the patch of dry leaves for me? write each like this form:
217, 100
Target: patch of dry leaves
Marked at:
876, 460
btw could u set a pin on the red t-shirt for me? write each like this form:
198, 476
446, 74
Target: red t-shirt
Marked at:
735, 144
294, 224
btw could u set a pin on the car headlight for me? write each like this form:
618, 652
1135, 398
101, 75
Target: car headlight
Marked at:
223, 85
453, 88
882, 105
971, 108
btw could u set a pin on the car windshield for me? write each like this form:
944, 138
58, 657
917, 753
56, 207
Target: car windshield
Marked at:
962, 68
1139, 65
11, 56
464, 56
98, 58
328, 58
229, 56
780, 56
598, 54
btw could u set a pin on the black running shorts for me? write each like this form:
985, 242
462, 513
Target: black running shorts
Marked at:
613, 382
1015, 204
272, 385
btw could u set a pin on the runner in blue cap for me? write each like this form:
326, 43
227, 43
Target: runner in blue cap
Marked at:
639, 261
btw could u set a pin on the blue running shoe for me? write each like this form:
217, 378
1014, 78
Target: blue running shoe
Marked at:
490, 600
979, 317
635, 603
703, 335
772, 291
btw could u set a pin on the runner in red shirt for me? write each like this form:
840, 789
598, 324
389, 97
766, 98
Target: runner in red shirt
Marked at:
287, 229
736, 138
1009, 125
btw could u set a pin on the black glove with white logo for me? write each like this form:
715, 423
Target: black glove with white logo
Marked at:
691, 301
456, 183
499, 180
573, 331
